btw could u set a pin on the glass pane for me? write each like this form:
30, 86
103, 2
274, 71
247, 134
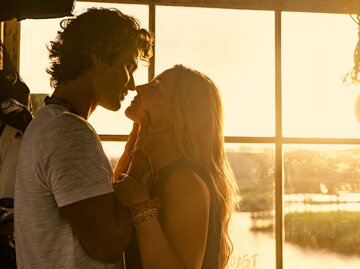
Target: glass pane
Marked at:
252, 228
113, 151
322, 206
317, 51
235, 48
36, 34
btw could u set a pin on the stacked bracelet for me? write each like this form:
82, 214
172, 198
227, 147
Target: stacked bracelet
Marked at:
143, 216
144, 211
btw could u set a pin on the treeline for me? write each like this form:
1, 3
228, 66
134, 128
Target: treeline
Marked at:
305, 171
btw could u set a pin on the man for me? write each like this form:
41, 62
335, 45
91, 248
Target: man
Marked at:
66, 214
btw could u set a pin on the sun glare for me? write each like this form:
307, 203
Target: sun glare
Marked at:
317, 52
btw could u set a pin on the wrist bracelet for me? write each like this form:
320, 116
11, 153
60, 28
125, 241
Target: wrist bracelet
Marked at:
139, 218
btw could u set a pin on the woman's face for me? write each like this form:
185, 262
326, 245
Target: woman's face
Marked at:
155, 98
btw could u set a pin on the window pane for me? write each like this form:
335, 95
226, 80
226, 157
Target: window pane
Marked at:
252, 229
322, 206
235, 48
318, 51
36, 34
113, 151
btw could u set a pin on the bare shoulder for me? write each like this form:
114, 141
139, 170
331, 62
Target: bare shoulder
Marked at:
185, 183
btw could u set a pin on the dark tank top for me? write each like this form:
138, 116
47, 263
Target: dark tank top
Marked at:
212, 252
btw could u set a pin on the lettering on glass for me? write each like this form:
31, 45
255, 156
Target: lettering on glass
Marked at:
243, 261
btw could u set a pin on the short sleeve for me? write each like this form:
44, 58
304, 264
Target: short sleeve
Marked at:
76, 167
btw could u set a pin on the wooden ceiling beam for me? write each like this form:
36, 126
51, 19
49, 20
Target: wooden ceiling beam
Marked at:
322, 6
10, 32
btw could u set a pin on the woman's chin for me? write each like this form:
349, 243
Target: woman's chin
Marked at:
131, 115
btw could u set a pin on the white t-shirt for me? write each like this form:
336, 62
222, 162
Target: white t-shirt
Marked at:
61, 161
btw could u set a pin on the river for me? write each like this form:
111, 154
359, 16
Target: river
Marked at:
256, 250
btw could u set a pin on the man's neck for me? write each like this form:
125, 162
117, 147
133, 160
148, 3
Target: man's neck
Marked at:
78, 96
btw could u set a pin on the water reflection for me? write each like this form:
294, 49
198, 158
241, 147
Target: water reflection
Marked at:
312, 202
256, 250
251, 249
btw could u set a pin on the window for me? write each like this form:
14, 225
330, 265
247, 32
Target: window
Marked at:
235, 60
317, 50
290, 125
321, 182
321, 206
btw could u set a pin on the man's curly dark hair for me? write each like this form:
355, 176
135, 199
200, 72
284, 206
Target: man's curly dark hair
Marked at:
100, 31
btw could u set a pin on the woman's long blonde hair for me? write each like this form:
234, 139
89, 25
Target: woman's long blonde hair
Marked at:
198, 126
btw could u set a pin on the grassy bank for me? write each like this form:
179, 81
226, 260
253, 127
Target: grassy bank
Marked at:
337, 231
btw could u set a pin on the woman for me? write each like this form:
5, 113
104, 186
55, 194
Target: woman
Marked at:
181, 138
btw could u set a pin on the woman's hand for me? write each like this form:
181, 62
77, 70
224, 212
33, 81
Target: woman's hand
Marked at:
141, 166
123, 163
130, 143
158, 145
129, 191
142, 140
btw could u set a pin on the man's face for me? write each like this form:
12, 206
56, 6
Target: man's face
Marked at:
111, 82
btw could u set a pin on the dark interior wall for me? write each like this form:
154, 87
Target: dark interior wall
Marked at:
34, 9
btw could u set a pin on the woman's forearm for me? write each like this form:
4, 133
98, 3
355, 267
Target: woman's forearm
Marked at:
155, 250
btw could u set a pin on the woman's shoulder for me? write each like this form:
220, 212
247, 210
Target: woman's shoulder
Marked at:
185, 182
181, 177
